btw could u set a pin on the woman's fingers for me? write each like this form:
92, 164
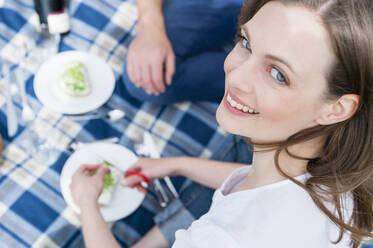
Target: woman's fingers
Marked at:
141, 188
101, 172
139, 165
131, 181
134, 181
90, 167
85, 169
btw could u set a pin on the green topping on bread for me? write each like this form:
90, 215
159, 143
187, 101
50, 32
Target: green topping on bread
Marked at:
111, 181
106, 163
108, 181
73, 80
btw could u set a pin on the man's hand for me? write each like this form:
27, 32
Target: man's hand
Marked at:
87, 184
151, 61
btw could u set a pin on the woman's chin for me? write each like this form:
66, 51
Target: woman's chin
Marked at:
228, 125
219, 115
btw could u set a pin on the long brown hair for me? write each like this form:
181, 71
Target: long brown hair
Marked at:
345, 163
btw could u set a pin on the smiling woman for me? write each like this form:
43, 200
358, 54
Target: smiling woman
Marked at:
311, 85
272, 73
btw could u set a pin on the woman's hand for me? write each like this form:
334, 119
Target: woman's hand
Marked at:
151, 168
86, 187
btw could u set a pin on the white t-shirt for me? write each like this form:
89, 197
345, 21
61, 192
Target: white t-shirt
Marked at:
280, 215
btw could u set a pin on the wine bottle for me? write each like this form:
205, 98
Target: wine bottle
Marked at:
53, 15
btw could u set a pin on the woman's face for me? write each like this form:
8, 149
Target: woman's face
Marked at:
276, 74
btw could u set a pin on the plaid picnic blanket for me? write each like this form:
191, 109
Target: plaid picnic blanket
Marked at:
32, 209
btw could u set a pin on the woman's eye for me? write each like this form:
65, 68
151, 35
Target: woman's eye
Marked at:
245, 43
276, 74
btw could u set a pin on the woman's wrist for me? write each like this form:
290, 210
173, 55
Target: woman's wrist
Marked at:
89, 212
87, 205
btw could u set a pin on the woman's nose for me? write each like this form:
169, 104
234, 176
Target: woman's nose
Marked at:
242, 71
243, 77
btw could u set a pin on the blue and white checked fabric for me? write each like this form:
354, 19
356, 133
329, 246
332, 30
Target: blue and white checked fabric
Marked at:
32, 209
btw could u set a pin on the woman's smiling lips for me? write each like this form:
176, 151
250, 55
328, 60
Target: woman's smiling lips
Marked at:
237, 107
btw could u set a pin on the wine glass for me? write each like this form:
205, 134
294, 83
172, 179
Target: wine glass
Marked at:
41, 148
46, 46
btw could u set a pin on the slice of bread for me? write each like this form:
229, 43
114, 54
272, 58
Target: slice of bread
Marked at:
74, 80
111, 181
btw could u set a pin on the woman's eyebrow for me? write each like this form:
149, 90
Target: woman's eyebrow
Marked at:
269, 56
281, 60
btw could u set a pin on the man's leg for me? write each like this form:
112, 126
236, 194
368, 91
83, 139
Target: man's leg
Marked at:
198, 78
197, 26
198, 31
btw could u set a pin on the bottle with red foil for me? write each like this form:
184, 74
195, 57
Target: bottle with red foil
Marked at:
53, 15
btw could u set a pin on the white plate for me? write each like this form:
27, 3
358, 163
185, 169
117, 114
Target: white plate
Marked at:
125, 200
99, 74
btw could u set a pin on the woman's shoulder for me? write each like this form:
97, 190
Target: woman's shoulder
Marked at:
284, 211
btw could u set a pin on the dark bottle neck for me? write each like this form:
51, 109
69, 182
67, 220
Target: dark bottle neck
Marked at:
45, 7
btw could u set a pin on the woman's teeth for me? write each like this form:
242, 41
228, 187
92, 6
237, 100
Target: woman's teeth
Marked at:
239, 106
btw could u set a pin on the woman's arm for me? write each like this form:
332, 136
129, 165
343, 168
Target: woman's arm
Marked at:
96, 233
85, 190
210, 173
206, 172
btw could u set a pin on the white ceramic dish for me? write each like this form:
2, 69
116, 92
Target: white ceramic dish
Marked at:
125, 200
99, 73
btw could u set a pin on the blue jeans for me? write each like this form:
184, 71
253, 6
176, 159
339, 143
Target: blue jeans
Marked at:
200, 31
195, 199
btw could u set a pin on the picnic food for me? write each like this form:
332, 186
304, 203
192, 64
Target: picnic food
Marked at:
111, 181
74, 80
